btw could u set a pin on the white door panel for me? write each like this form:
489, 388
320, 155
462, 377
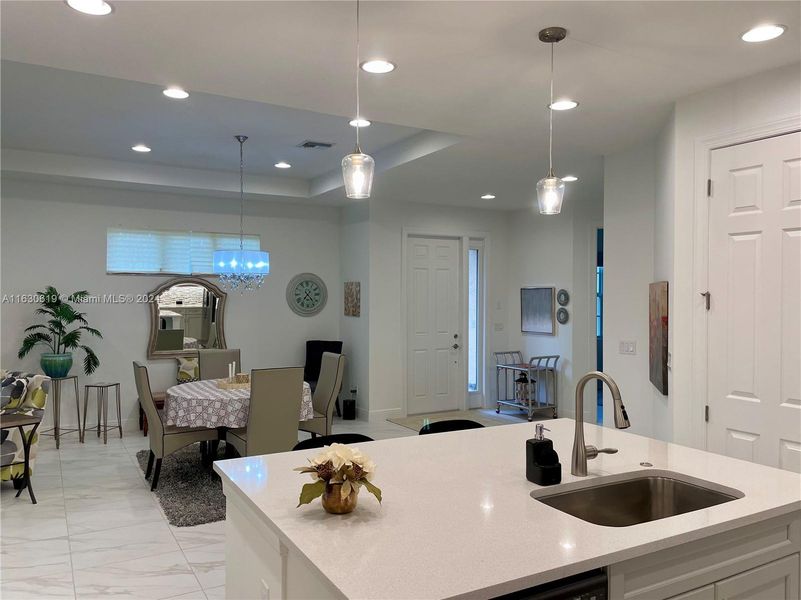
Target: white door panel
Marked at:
433, 317
754, 354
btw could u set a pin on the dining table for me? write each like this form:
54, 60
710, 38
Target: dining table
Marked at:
204, 404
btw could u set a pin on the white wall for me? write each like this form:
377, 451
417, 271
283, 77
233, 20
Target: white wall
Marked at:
355, 331
650, 195
629, 205
745, 104
388, 218
55, 234
555, 251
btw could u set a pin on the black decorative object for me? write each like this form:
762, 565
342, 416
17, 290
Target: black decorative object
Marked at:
562, 316
562, 297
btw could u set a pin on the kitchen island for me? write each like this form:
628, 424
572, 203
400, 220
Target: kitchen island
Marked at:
458, 520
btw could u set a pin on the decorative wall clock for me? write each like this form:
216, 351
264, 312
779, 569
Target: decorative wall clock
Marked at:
306, 294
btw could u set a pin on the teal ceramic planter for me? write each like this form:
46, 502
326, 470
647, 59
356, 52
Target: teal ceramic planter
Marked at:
56, 365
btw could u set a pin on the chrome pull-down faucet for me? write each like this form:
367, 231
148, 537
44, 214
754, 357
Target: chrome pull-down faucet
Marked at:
581, 452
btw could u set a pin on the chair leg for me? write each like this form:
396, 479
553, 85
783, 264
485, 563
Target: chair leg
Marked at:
141, 418
336, 404
156, 473
150, 460
144, 426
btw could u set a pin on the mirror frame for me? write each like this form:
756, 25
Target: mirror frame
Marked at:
152, 353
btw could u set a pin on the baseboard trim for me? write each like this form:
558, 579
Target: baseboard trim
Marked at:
376, 416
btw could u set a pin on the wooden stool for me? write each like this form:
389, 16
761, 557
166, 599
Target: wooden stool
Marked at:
102, 408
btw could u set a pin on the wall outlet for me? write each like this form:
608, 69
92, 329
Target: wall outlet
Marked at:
354, 390
627, 347
498, 326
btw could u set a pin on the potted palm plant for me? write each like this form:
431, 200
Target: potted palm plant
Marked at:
62, 332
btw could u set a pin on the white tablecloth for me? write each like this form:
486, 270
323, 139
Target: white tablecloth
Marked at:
203, 404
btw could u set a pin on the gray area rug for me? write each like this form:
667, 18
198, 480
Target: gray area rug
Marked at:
188, 492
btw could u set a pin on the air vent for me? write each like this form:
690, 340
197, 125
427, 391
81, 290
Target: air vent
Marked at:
313, 144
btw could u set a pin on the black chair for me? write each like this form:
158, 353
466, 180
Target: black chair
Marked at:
327, 440
452, 425
314, 359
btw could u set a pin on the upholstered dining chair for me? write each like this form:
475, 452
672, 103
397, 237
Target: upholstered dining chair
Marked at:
214, 363
275, 397
336, 438
164, 439
325, 395
449, 425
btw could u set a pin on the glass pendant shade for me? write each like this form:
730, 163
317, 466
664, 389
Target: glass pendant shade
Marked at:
550, 193
357, 171
241, 269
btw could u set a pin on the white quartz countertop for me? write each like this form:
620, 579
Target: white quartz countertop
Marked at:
458, 521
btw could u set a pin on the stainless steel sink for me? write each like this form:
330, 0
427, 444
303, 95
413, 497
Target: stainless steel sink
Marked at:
632, 498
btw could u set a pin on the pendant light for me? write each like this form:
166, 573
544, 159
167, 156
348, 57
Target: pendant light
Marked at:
551, 189
357, 168
242, 270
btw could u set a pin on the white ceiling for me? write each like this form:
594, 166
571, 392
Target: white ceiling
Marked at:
474, 69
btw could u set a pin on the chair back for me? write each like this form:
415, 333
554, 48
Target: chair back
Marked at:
314, 357
332, 370
452, 425
213, 363
154, 424
326, 440
275, 398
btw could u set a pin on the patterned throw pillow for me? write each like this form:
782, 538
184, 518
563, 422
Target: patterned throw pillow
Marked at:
21, 392
188, 369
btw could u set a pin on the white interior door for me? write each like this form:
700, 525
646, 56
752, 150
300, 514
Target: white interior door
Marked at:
432, 320
754, 335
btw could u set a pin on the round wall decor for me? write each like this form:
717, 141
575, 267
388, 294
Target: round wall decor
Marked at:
306, 294
562, 297
562, 316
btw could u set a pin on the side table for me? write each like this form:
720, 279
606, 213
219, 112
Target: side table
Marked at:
56, 430
102, 389
20, 421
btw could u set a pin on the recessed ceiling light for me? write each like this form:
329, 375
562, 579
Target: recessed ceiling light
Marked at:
378, 66
488, 197
140, 148
564, 104
569, 178
360, 123
282, 165
763, 33
176, 93
90, 7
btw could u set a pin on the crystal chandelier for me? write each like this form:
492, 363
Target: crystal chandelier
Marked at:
242, 270
357, 167
551, 189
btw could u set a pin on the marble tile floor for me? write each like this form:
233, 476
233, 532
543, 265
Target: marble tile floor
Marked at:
98, 532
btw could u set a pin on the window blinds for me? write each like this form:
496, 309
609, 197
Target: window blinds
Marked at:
178, 252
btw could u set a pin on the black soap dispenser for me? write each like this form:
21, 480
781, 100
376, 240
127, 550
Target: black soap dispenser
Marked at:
542, 461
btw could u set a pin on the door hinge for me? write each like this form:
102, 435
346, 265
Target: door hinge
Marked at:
706, 413
708, 188
707, 299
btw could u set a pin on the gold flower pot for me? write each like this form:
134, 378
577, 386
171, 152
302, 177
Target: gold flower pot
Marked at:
334, 503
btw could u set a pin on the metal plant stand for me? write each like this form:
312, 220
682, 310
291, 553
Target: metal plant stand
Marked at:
102, 408
510, 366
56, 431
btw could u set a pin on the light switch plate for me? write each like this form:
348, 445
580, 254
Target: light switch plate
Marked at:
627, 347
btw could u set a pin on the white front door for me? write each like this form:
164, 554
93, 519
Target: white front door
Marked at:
432, 320
754, 327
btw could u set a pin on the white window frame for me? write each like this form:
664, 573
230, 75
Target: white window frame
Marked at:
475, 398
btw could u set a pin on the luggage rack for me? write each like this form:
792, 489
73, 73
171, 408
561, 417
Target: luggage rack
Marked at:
523, 379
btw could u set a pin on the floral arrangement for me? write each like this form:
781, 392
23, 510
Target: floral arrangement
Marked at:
338, 466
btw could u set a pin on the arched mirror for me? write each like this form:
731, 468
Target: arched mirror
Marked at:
186, 314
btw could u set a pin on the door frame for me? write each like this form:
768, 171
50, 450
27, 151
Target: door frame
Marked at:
592, 235
700, 276
464, 239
